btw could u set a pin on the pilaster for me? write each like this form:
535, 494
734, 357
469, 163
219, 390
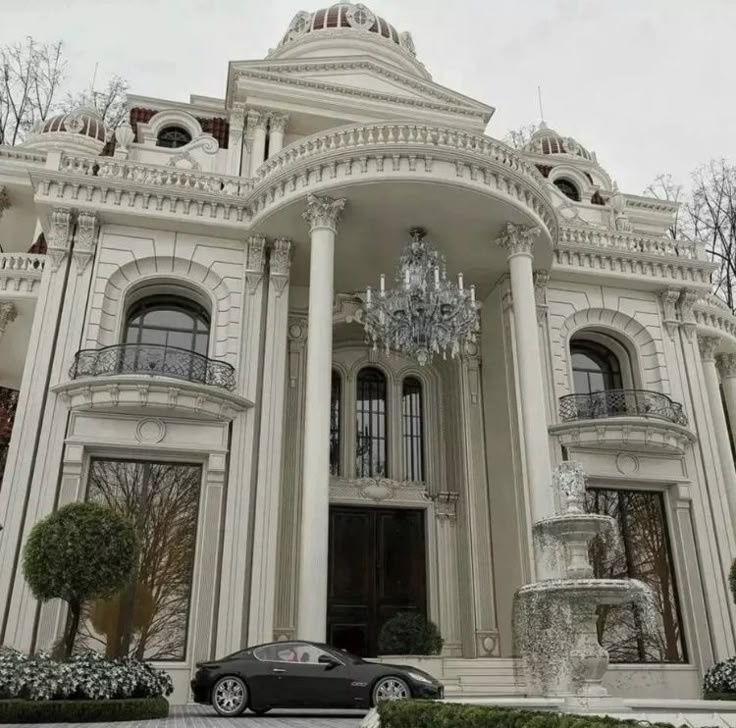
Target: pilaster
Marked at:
235, 140
26, 496
287, 571
4, 201
257, 124
277, 127
235, 577
271, 435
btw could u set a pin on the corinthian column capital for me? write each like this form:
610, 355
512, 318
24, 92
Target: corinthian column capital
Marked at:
708, 346
727, 365
278, 121
323, 212
518, 239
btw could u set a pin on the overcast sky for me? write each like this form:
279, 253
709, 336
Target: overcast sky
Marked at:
647, 84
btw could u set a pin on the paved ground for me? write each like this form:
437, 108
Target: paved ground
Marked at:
191, 716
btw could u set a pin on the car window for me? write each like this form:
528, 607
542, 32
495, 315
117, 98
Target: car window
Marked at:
289, 652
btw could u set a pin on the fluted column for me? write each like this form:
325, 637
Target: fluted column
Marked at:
235, 140
519, 242
257, 120
708, 346
277, 126
322, 214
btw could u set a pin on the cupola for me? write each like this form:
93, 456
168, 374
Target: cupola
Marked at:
81, 130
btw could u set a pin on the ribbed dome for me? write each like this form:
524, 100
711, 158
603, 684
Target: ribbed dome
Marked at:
80, 121
548, 141
350, 16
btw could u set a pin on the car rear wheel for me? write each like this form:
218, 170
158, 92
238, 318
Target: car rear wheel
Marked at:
229, 696
390, 688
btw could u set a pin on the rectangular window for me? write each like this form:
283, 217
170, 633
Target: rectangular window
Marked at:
645, 554
148, 619
335, 422
412, 413
371, 439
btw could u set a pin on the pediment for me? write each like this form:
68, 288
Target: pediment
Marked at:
360, 77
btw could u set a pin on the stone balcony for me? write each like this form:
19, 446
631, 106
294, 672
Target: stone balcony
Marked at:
623, 419
20, 275
154, 379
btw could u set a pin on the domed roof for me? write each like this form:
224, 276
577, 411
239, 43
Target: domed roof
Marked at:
80, 130
548, 141
80, 121
356, 17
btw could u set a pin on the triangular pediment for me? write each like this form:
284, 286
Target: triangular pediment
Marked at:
358, 76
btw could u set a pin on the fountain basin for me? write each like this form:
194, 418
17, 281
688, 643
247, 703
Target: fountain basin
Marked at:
593, 591
583, 524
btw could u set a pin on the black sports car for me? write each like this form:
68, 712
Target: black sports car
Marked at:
304, 675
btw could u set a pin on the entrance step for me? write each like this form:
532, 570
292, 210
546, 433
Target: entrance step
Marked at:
477, 677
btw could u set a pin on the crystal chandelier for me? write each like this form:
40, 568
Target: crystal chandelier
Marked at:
425, 314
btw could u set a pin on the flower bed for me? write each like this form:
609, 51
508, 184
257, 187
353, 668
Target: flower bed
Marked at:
39, 689
413, 713
719, 682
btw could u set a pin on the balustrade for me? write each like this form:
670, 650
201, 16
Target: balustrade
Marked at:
621, 403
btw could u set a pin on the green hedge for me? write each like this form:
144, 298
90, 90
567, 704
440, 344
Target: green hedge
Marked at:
719, 696
413, 713
82, 711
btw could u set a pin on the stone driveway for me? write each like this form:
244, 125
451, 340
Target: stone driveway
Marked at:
195, 716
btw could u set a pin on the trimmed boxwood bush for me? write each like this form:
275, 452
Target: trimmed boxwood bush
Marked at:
413, 713
409, 633
82, 711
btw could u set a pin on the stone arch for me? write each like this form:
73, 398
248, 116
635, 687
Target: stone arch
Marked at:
646, 351
107, 317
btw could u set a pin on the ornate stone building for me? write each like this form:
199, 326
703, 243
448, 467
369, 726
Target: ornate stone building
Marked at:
183, 341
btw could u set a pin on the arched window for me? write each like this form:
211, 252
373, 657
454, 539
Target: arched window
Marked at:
335, 421
169, 321
595, 368
371, 436
569, 189
173, 137
412, 414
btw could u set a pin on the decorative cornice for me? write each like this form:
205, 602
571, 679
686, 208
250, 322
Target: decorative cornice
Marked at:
377, 490
255, 262
281, 74
323, 212
86, 239
20, 274
726, 365
280, 263
8, 314
708, 346
59, 236
518, 239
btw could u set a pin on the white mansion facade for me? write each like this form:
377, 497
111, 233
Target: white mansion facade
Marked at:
181, 337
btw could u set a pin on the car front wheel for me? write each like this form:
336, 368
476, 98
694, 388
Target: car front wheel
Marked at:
229, 696
390, 688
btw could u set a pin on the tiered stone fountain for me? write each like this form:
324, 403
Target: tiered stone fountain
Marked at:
555, 621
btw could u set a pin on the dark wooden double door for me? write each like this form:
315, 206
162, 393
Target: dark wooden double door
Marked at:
377, 567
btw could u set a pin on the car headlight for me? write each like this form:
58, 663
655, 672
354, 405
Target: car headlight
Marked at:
420, 678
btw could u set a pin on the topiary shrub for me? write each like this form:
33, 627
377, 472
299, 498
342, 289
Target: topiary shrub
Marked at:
409, 633
82, 551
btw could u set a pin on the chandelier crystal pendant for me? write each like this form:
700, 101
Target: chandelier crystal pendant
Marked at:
425, 314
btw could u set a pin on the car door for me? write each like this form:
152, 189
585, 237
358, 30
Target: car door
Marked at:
309, 683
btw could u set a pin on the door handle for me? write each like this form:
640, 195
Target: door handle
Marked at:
278, 669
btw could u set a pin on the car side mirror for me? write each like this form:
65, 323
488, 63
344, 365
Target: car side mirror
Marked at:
330, 662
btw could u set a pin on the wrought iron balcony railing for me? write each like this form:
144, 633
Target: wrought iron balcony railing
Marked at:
155, 360
621, 403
